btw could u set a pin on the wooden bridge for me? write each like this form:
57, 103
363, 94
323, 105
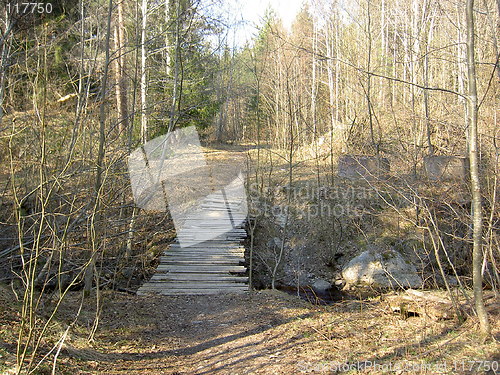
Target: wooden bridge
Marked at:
208, 257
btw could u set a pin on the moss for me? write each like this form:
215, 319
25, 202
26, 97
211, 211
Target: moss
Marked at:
386, 255
408, 245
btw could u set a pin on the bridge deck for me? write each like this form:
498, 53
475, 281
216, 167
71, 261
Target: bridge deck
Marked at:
208, 257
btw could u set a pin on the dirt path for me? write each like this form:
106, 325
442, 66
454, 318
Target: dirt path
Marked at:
199, 335
269, 333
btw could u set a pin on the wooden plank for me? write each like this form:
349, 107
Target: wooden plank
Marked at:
191, 292
210, 243
203, 246
189, 274
221, 202
199, 277
219, 223
214, 227
206, 214
193, 285
205, 250
234, 281
203, 256
215, 240
201, 269
200, 258
210, 213
230, 207
201, 262
221, 199
193, 241
199, 280
198, 234
176, 286
200, 239
165, 286
208, 217
205, 225
202, 228
221, 244
219, 214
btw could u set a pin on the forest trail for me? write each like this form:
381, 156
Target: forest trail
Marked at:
219, 334
268, 332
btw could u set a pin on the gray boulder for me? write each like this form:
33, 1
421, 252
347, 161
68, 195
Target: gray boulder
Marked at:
446, 168
381, 269
321, 286
274, 242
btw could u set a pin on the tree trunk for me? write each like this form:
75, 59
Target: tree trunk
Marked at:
144, 118
369, 78
425, 70
177, 73
5, 43
120, 76
89, 272
167, 38
477, 214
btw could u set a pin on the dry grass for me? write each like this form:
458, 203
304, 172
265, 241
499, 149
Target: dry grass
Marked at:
268, 333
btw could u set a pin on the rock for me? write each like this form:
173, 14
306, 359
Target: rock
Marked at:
280, 219
274, 243
339, 283
446, 168
382, 269
366, 167
321, 286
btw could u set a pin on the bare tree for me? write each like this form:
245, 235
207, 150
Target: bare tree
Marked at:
144, 86
120, 72
477, 207
5, 45
89, 274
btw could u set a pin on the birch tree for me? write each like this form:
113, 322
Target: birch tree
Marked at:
477, 207
144, 86
120, 70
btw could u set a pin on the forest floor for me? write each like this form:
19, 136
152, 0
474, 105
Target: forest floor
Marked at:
269, 332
